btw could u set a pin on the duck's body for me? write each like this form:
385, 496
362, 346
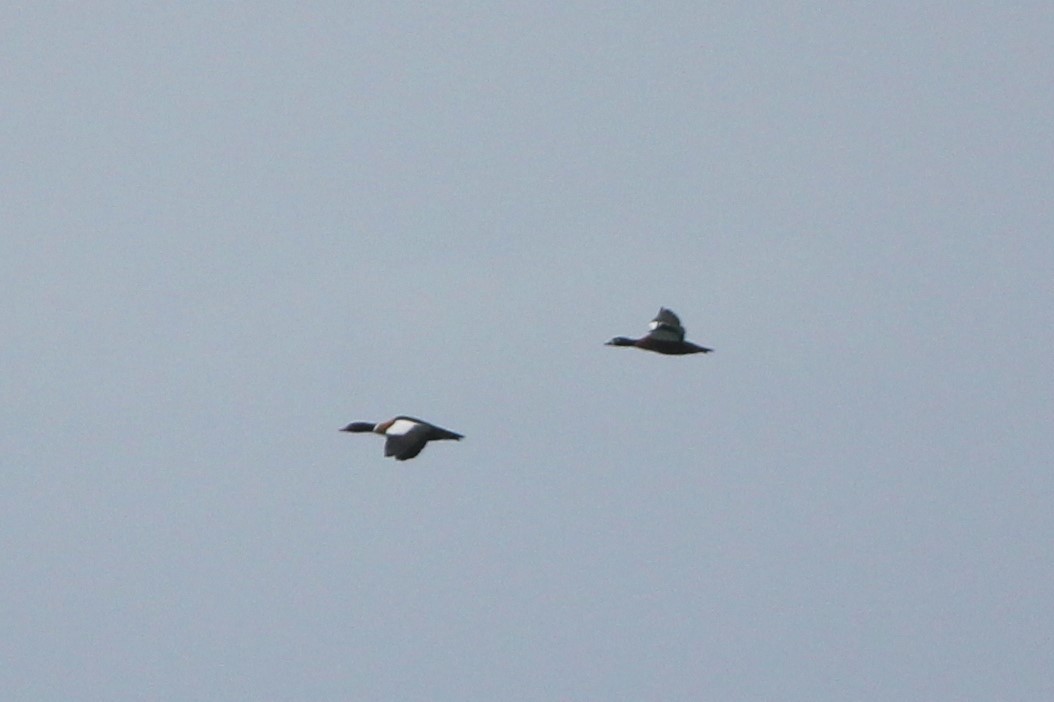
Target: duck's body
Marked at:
665, 335
405, 436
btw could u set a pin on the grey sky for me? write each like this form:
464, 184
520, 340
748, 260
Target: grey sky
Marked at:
230, 230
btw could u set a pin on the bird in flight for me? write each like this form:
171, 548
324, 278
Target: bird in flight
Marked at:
665, 335
405, 437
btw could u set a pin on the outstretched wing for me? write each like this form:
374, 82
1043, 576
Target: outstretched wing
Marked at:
666, 327
408, 444
407, 436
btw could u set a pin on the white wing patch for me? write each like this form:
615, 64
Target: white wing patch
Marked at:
400, 427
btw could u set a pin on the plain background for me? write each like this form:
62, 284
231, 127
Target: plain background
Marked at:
231, 228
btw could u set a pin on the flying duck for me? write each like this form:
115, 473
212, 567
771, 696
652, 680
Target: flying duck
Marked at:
665, 335
406, 436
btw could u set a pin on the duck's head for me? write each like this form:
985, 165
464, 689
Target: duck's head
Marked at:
621, 341
359, 427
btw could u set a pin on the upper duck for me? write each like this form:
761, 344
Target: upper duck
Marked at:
406, 436
665, 335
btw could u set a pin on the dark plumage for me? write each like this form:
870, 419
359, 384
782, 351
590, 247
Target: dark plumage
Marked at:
665, 335
405, 436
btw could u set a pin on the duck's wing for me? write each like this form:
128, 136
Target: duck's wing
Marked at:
666, 327
403, 448
408, 445
404, 437
407, 436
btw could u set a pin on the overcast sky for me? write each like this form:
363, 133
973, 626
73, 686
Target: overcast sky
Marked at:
231, 228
